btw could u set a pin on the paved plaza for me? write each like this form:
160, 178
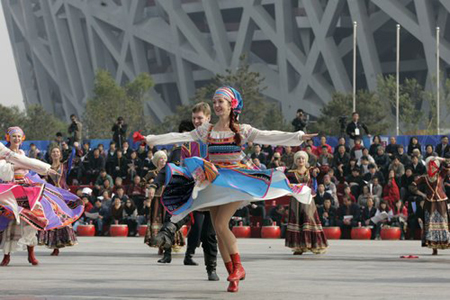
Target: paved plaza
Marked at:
125, 268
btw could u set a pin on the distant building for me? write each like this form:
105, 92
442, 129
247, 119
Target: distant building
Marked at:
303, 48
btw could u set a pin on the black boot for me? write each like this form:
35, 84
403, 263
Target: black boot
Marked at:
188, 261
166, 236
211, 264
167, 258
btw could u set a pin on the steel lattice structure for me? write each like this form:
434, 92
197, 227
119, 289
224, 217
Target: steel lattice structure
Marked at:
303, 48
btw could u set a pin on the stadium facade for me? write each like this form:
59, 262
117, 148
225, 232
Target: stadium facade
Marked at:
303, 48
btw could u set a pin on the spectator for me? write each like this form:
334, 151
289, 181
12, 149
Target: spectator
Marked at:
365, 152
365, 196
120, 165
400, 217
75, 129
323, 143
357, 149
96, 164
257, 209
372, 174
299, 122
330, 187
312, 159
429, 151
403, 157
347, 193
276, 161
384, 208
363, 164
355, 181
267, 150
382, 160
391, 192
341, 141
392, 148
397, 167
142, 152
377, 188
99, 182
144, 212
110, 158
413, 144
416, 166
325, 158
119, 130
134, 165
117, 211
327, 214
322, 195
341, 157
276, 214
118, 183
120, 194
258, 154
130, 217
241, 215
136, 191
354, 129
348, 216
258, 164
66, 151
288, 157
376, 142
443, 147
96, 216
34, 152
405, 181
368, 213
126, 150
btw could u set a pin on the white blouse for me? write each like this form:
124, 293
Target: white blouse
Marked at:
20, 161
248, 134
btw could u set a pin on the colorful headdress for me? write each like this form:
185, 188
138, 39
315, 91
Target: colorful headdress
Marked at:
233, 96
14, 130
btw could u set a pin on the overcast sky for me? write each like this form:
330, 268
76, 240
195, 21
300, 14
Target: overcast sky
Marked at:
10, 92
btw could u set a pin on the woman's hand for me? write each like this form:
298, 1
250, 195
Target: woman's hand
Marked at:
308, 136
52, 172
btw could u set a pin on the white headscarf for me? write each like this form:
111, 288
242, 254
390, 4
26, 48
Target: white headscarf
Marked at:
299, 154
157, 156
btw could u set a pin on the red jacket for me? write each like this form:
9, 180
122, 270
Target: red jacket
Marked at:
391, 193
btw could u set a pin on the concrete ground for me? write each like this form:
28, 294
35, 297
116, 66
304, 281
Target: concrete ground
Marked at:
125, 268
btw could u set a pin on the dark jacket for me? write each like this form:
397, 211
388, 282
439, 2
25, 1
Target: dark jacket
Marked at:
351, 127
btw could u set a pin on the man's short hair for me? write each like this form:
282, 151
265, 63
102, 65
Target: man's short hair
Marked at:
185, 125
354, 113
72, 115
300, 110
58, 134
202, 107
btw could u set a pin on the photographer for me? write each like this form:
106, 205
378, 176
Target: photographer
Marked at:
299, 122
354, 129
120, 132
74, 130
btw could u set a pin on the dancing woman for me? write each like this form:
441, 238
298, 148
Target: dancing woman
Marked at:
62, 237
40, 206
223, 184
304, 230
436, 230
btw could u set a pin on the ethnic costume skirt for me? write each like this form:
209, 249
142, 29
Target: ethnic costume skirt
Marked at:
157, 217
199, 185
304, 230
436, 233
17, 236
38, 203
57, 238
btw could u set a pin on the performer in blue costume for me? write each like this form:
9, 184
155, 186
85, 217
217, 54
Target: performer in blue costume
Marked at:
223, 184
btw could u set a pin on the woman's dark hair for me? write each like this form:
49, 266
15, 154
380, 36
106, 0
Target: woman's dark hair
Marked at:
234, 126
376, 136
185, 126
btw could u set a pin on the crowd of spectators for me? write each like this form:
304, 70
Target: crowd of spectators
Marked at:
353, 186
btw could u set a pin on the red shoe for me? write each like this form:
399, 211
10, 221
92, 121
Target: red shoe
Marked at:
233, 286
31, 258
55, 252
5, 260
238, 271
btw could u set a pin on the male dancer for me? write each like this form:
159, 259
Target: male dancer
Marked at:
202, 228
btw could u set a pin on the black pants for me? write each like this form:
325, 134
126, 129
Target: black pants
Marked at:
202, 231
